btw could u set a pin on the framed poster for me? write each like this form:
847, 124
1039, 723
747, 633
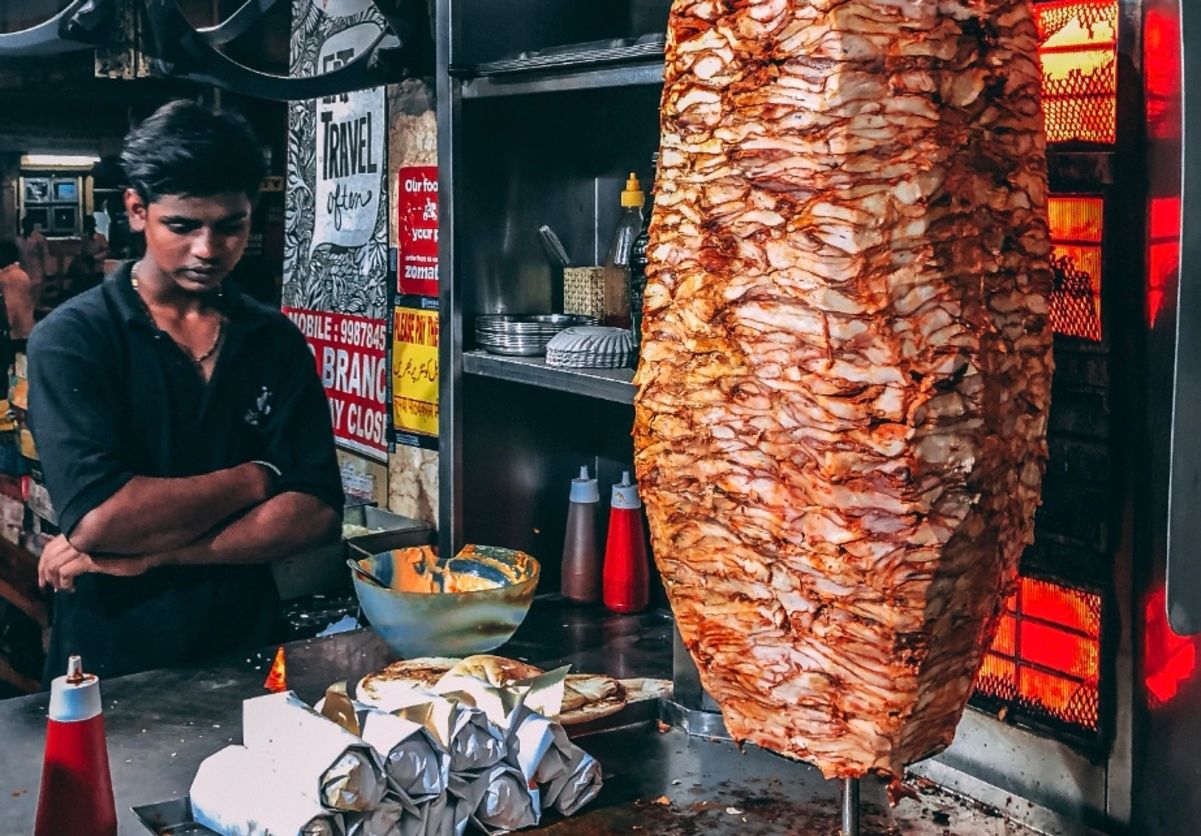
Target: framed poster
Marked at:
37, 189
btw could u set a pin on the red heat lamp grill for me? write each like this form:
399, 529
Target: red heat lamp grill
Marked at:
1044, 664
1077, 224
1045, 659
1078, 51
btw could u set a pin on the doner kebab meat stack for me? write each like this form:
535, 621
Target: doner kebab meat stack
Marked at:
843, 391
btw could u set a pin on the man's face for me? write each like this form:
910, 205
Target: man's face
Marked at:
194, 241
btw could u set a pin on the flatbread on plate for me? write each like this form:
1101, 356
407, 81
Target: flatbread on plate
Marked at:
388, 688
586, 697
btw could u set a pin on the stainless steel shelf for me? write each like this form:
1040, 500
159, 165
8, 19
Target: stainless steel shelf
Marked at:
606, 384
564, 79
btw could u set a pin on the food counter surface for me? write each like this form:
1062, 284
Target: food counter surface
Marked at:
162, 724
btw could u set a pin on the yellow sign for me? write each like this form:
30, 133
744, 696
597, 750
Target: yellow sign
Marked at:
415, 371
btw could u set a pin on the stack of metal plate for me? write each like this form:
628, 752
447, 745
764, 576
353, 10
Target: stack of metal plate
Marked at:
523, 335
590, 347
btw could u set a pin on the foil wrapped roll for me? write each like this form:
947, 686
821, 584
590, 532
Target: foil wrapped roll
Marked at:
475, 742
566, 776
414, 762
395, 816
496, 800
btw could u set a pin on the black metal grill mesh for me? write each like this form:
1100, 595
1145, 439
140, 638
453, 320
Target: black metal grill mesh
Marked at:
1073, 299
1076, 223
1078, 53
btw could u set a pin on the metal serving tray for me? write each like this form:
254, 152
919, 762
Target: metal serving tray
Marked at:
174, 818
324, 569
170, 818
661, 781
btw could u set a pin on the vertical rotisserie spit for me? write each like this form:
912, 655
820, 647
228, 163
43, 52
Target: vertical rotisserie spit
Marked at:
844, 386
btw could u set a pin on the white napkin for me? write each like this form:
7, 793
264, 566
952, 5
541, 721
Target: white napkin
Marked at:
237, 792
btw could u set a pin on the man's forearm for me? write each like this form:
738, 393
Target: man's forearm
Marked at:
149, 515
280, 526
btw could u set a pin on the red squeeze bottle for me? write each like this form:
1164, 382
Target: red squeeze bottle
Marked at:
77, 789
626, 581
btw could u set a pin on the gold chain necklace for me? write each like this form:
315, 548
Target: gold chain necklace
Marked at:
197, 360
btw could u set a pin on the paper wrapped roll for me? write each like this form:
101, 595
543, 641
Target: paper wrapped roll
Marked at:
413, 760
475, 741
531, 738
496, 800
566, 775
577, 786
393, 817
236, 792
438, 813
463, 730
342, 769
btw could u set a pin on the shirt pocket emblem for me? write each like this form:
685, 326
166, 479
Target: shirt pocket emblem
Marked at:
259, 412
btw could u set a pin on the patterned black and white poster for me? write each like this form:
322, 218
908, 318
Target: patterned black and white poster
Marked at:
336, 241
336, 224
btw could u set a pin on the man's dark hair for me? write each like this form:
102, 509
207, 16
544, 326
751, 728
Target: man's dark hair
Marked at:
27, 225
191, 150
9, 254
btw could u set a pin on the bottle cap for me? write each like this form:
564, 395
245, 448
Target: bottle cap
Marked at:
632, 196
584, 488
75, 696
625, 495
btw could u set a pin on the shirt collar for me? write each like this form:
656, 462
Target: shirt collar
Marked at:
119, 288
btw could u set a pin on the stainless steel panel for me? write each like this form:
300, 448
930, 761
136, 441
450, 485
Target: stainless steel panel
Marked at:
550, 159
607, 384
1017, 808
522, 447
1049, 773
450, 346
1184, 519
560, 82
506, 29
1167, 760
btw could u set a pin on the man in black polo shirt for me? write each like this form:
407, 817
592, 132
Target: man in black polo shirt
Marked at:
182, 429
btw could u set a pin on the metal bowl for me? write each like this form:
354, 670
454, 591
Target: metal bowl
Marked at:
450, 623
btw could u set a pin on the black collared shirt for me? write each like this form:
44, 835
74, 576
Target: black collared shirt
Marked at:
112, 397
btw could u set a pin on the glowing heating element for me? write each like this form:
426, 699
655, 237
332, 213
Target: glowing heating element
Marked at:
1045, 658
1079, 58
277, 676
1162, 69
1163, 252
1077, 224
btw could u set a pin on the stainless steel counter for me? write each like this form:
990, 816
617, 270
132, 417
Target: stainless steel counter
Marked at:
162, 724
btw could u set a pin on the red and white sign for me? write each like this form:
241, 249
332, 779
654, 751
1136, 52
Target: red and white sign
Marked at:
352, 359
417, 229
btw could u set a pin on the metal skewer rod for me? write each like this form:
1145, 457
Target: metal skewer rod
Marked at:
850, 807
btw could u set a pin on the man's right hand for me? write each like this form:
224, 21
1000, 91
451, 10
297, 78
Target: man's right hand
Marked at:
61, 563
